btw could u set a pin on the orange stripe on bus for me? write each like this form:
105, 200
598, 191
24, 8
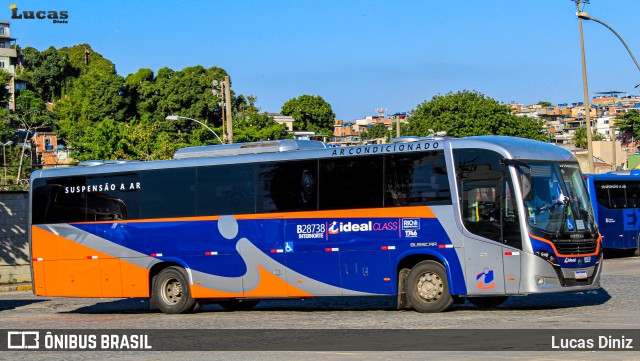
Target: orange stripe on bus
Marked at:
597, 251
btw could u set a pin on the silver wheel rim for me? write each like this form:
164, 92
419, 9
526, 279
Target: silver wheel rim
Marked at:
171, 291
430, 286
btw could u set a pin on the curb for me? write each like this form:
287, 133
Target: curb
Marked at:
15, 287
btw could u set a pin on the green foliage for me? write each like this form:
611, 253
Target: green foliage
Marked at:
580, 138
7, 132
310, 113
31, 114
47, 72
544, 104
4, 92
377, 130
99, 141
628, 122
93, 97
82, 60
187, 93
469, 113
254, 127
31, 111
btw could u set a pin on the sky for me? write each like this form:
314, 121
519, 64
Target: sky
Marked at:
358, 55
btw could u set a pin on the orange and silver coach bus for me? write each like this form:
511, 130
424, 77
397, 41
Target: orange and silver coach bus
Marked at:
431, 220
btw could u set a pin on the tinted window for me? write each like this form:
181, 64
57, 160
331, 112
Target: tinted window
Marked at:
113, 197
487, 203
413, 179
60, 200
287, 186
618, 194
167, 193
229, 189
351, 182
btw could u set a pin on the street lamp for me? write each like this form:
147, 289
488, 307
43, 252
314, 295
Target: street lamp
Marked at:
583, 15
176, 117
4, 158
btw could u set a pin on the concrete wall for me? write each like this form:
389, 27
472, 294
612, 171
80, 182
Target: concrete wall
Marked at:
604, 151
14, 245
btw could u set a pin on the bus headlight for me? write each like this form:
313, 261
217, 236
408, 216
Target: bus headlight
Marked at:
547, 256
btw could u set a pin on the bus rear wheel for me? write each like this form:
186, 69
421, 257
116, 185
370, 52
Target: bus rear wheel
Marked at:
487, 302
427, 287
171, 291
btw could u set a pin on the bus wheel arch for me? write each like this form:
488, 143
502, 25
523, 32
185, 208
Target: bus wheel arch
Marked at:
424, 284
170, 291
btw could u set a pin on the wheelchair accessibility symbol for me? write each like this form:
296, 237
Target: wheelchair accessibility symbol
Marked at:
288, 247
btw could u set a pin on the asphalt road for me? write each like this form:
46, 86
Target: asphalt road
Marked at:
614, 306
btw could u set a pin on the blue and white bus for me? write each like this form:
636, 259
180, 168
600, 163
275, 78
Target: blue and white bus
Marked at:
432, 221
616, 202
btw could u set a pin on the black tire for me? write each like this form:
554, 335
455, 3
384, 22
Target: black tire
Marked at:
171, 291
487, 302
427, 287
236, 305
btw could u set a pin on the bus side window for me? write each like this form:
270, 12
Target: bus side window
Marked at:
413, 179
227, 189
351, 182
287, 186
485, 196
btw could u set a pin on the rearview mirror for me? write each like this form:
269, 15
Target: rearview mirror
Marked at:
525, 182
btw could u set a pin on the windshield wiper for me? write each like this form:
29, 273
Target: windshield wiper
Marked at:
565, 208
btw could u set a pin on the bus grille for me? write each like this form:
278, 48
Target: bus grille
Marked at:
582, 246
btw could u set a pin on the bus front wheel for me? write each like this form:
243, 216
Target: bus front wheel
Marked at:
427, 287
171, 291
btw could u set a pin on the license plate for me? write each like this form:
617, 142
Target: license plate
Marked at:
580, 274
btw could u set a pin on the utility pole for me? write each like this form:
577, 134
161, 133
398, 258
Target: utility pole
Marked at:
587, 106
218, 91
612, 134
227, 96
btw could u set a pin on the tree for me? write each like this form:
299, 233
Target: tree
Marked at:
544, 104
377, 130
94, 96
189, 93
628, 122
310, 113
580, 137
254, 127
47, 71
469, 113
4, 92
31, 114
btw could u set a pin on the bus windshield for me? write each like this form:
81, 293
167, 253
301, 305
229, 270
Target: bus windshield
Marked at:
559, 201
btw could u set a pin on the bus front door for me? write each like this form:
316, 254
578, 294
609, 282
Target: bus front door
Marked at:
484, 267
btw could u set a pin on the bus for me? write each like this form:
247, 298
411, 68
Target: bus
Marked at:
615, 198
431, 221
